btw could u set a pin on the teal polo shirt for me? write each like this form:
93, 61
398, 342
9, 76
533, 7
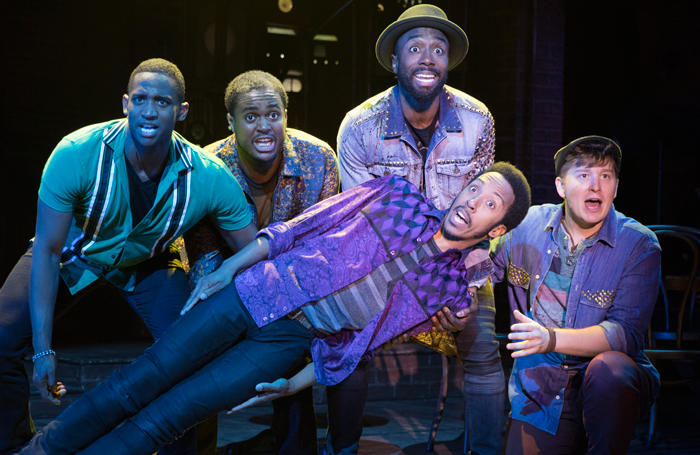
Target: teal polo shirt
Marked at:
86, 175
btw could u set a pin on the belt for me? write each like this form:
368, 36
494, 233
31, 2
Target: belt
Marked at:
300, 317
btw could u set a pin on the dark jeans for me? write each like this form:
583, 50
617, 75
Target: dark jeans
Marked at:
209, 361
160, 293
601, 410
484, 395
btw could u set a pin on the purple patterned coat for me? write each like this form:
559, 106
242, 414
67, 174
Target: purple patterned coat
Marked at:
339, 241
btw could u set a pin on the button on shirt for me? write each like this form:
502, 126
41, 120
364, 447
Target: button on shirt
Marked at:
614, 285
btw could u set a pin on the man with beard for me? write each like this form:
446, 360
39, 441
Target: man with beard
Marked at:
438, 138
342, 278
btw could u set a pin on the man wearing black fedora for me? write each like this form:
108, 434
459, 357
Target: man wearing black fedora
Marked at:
438, 138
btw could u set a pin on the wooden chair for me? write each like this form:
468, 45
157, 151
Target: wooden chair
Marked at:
676, 338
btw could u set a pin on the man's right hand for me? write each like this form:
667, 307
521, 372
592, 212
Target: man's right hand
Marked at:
208, 286
44, 379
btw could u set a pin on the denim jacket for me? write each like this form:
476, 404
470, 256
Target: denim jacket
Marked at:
615, 285
374, 141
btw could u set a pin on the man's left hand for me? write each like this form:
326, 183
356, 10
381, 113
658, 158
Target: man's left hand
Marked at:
446, 321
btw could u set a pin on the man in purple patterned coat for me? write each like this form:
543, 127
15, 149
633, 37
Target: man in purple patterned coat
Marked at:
346, 275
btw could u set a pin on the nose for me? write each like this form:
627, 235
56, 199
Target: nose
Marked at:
595, 183
473, 203
427, 57
149, 110
263, 124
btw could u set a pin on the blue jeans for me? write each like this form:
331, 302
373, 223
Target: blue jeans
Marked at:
601, 410
157, 277
209, 361
484, 395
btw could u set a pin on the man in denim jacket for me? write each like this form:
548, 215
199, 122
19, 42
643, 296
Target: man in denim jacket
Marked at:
582, 281
438, 138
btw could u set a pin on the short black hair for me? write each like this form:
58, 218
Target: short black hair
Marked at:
161, 66
252, 80
521, 190
592, 152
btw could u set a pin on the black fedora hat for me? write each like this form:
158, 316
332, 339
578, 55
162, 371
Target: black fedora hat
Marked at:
422, 16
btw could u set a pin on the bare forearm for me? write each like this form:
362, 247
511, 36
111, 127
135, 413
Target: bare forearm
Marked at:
305, 378
42, 296
256, 251
588, 342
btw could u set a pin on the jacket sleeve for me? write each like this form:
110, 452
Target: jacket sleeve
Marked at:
499, 251
634, 300
486, 144
352, 155
331, 178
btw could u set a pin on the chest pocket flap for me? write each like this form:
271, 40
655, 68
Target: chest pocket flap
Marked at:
453, 169
380, 170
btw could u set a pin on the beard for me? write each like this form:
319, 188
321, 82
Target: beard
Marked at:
422, 95
457, 238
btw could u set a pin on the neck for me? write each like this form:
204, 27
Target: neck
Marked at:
148, 162
576, 231
418, 114
444, 244
259, 171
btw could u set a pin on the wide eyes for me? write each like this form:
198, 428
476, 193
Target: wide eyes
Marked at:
472, 189
437, 50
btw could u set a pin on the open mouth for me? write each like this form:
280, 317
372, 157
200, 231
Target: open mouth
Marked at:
593, 205
461, 217
425, 78
265, 144
148, 130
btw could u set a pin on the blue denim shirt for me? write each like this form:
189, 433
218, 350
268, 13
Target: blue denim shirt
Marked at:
374, 141
615, 285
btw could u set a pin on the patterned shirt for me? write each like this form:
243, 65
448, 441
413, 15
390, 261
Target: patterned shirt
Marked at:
308, 174
341, 240
614, 285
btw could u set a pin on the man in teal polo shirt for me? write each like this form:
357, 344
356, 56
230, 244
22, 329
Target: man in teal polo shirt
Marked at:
113, 198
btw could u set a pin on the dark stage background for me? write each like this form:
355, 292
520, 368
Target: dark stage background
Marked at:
549, 70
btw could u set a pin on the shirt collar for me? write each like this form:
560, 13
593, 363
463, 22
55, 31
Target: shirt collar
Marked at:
395, 125
607, 232
180, 153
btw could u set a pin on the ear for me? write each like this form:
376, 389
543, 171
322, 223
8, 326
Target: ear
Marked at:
125, 103
394, 64
560, 187
229, 119
182, 111
617, 183
497, 231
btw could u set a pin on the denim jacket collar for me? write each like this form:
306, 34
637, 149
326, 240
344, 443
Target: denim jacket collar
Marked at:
395, 124
607, 232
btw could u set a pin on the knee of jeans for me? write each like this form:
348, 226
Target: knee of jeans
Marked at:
609, 371
485, 383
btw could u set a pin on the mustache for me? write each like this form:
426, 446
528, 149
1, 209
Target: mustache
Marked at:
428, 69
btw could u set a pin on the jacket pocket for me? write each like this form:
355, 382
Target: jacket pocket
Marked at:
517, 276
598, 299
381, 170
452, 176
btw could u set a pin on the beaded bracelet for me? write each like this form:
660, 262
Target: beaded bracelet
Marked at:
42, 354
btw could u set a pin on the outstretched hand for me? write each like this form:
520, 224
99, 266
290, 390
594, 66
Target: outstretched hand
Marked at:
206, 287
267, 392
535, 337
